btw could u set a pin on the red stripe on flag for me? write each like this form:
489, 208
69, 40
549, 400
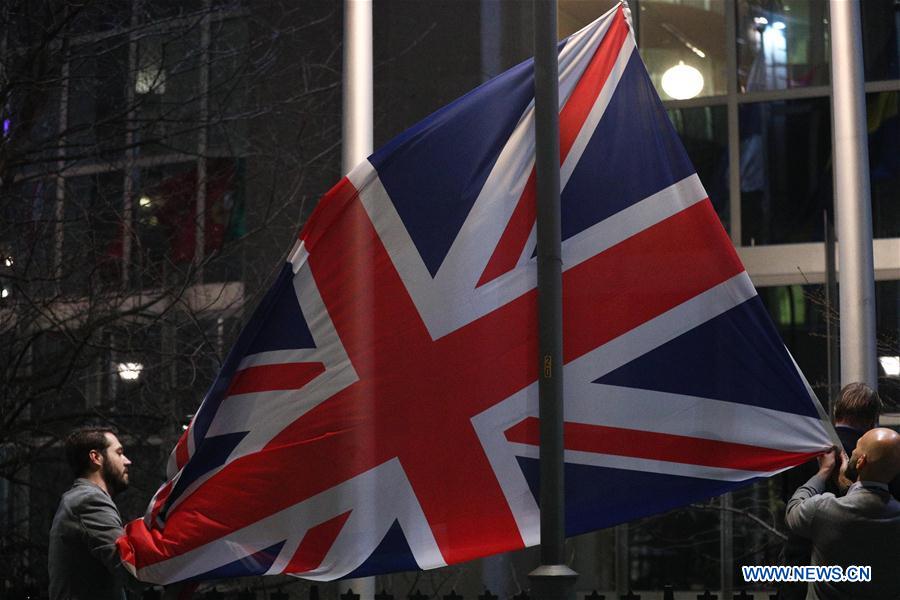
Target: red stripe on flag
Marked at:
571, 120
585, 94
181, 450
140, 546
644, 276
667, 447
512, 242
315, 545
126, 550
268, 378
330, 208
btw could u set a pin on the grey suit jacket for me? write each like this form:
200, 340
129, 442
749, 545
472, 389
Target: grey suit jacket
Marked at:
861, 528
83, 559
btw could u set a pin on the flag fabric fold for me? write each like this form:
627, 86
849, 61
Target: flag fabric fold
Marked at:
379, 410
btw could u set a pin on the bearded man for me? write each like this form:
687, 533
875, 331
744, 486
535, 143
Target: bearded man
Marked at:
860, 528
83, 560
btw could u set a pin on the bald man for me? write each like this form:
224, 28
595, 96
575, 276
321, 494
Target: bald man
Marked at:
859, 528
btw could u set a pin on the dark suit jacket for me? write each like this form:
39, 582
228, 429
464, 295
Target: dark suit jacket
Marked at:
83, 559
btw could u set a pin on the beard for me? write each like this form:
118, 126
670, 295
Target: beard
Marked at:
850, 472
115, 481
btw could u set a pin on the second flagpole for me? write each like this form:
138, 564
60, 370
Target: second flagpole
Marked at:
553, 579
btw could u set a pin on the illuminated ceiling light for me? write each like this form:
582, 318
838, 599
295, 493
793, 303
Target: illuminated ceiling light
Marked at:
4, 293
760, 20
778, 25
682, 81
891, 365
145, 201
8, 261
129, 371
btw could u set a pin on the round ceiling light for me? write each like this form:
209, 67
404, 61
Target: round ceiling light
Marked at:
682, 81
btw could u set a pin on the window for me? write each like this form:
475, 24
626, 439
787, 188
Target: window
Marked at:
683, 46
786, 177
167, 91
92, 232
887, 332
96, 108
883, 113
782, 45
704, 133
881, 39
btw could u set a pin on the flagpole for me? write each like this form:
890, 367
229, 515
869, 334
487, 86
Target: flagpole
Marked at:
553, 579
357, 83
853, 207
356, 146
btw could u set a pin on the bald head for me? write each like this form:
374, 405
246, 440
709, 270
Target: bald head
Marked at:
877, 455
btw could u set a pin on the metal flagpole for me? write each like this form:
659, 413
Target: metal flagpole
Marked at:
357, 143
852, 197
553, 580
357, 82
832, 350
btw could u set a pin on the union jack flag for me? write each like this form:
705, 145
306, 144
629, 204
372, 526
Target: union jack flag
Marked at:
379, 410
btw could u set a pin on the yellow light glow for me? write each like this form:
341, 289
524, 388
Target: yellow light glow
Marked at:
682, 81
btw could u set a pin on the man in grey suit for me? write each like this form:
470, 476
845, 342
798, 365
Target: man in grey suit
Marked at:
860, 528
83, 559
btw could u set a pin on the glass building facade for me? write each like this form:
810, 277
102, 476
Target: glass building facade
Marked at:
173, 149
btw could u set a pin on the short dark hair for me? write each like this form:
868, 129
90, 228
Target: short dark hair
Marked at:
79, 445
857, 402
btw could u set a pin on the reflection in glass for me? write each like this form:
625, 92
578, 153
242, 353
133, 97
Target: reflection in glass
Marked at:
704, 133
881, 39
670, 35
683, 46
164, 221
166, 83
786, 175
165, 205
782, 45
883, 114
